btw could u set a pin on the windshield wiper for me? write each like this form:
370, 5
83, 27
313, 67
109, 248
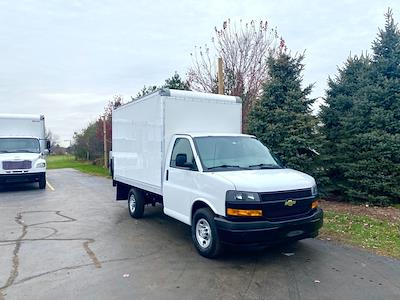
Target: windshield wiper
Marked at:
266, 166
4, 151
24, 151
225, 166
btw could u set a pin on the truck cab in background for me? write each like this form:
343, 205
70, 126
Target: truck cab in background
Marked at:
23, 147
185, 150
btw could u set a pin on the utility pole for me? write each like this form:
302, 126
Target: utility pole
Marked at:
220, 76
105, 143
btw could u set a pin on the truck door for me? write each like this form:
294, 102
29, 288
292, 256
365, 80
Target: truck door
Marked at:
180, 180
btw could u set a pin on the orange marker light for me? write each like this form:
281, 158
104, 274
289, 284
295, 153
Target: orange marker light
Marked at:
314, 204
244, 212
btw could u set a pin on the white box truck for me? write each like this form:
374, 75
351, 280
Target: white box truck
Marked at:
185, 150
23, 146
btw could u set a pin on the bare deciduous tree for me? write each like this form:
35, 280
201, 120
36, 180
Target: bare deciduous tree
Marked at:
244, 50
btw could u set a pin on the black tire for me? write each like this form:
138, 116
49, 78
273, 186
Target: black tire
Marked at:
136, 209
42, 182
209, 245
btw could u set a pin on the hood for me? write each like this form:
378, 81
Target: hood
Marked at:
19, 156
268, 180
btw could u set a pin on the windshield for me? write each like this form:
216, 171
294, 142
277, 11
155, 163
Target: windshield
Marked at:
18, 145
223, 153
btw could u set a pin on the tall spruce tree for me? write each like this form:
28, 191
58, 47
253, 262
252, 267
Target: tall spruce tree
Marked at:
282, 118
362, 123
339, 120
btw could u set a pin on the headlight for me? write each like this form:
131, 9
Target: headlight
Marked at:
41, 165
241, 196
314, 190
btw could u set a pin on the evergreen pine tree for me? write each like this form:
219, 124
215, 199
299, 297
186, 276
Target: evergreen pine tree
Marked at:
282, 118
338, 119
362, 123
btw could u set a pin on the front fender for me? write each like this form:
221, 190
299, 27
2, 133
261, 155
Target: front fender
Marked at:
201, 202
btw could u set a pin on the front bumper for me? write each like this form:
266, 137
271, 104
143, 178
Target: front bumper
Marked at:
21, 177
266, 232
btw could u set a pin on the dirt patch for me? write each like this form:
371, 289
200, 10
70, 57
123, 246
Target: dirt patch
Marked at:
390, 214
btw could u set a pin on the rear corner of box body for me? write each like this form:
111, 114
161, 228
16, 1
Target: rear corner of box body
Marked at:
137, 143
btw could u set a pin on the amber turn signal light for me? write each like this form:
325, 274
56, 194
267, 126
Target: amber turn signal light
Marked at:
244, 212
315, 204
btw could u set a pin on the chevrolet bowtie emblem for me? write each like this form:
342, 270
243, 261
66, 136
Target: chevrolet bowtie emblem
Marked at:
290, 202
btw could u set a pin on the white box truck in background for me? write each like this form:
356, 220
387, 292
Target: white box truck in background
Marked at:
185, 150
23, 146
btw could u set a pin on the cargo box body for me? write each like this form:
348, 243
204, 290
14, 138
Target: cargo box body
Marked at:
142, 130
18, 125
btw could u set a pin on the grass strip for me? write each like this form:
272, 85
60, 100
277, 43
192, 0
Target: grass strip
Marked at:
68, 161
380, 236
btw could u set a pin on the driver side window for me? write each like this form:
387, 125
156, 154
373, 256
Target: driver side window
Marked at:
182, 155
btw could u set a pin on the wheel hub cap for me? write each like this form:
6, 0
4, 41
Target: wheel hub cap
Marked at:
132, 203
203, 233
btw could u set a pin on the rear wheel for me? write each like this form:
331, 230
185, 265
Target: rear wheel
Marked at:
42, 182
204, 233
136, 203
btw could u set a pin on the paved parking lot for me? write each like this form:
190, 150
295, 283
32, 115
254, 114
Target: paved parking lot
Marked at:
76, 242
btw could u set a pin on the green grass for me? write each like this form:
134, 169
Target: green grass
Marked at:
68, 161
380, 236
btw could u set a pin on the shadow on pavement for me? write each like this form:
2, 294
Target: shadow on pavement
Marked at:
18, 187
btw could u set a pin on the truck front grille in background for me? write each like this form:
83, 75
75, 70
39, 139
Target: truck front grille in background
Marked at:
274, 208
17, 165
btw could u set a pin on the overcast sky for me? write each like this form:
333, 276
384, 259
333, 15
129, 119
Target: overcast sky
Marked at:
65, 59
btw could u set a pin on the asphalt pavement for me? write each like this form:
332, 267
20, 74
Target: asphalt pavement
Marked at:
74, 241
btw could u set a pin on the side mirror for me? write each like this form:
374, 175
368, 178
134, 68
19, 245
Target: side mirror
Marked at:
46, 152
48, 145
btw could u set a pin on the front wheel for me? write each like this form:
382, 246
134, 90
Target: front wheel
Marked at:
135, 203
42, 182
204, 233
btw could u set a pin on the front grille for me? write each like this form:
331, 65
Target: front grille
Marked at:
285, 195
278, 210
274, 208
17, 165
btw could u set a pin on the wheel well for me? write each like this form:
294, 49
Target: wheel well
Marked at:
197, 205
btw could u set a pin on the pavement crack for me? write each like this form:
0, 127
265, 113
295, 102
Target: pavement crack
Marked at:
24, 230
293, 286
91, 254
253, 272
15, 258
182, 272
51, 272
82, 266
54, 231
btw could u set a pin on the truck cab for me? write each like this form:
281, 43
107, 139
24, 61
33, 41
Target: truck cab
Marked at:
245, 195
23, 149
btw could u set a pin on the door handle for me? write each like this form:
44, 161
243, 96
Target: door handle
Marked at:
166, 175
